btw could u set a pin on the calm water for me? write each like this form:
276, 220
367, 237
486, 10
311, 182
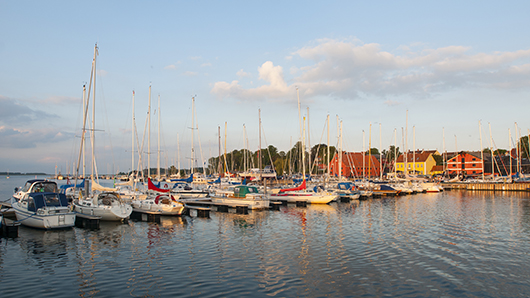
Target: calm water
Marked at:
454, 244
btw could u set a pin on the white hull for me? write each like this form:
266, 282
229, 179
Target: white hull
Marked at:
252, 204
107, 213
51, 221
311, 198
144, 206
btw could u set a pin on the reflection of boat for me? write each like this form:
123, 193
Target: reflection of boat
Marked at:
243, 194
40, 205
162, 204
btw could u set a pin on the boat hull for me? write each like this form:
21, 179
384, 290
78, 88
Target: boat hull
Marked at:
311, 198
252, 204
106, 213
47, 222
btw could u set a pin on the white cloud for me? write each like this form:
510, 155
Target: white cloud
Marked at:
23, 138
172, 66
242, 74
207, 64
350, 69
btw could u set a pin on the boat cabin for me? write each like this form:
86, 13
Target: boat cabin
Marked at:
241, 191
37, 201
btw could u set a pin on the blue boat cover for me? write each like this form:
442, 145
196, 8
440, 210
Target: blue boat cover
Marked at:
46, 199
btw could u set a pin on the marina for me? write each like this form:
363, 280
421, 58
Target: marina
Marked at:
447, 244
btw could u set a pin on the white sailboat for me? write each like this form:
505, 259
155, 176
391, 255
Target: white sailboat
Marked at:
300, 193
103, 202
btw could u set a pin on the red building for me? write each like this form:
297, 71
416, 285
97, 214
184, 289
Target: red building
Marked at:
469, 163
353, 165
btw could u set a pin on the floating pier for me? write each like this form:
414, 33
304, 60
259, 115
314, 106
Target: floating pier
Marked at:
487, 186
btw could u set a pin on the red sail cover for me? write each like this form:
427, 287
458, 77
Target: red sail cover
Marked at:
299, 187
151, 186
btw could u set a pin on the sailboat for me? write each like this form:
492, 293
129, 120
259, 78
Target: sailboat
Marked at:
103, 202
300, 192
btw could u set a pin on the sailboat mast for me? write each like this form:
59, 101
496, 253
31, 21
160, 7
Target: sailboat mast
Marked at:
328, 148
492, 154
395, 154
414, 148
481, 148
299, 114
132, 137
158, 151
510, 150
259, 154
92, 131
370, 152
192, 133
309, 144
83, 133
149, 136
380, 154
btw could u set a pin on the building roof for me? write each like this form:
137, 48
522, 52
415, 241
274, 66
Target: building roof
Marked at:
417, 156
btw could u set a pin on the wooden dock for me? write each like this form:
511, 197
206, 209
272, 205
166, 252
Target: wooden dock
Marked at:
487, 186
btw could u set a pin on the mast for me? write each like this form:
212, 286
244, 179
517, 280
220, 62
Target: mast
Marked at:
219, 165
85, 103
149, 136
132, 138
192, 133
370, 152
341, 143
309, 144
328, 149
492, 154
92, 132
380, 154
364, 159
299, 118
158, 151
414, 148
259, 154
407, 144
226, 161
481, 148
510, 150
395, 154
444, 154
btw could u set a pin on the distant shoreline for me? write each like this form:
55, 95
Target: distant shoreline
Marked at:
22, 174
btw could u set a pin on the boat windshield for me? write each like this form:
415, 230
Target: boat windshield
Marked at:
44, 186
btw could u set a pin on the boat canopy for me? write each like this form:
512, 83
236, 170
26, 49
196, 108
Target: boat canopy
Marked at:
241, 191
46, 199
345, 186
79, 185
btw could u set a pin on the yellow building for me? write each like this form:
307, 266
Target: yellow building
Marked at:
420, 162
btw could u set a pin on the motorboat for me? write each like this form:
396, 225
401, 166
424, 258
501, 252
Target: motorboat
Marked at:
301, 194
247, 195
40, 205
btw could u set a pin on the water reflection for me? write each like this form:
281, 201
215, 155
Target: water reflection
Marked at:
450, 244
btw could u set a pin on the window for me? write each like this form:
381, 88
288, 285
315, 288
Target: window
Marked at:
474, 159
474, 165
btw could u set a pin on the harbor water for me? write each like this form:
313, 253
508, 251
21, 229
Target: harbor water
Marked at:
449, 244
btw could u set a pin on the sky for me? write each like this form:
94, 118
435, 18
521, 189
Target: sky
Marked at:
444, 75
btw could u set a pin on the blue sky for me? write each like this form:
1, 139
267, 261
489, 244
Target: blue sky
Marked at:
449, 64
